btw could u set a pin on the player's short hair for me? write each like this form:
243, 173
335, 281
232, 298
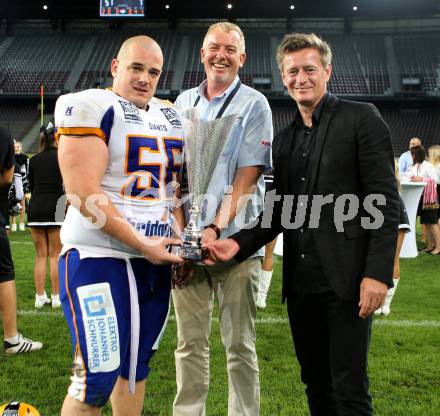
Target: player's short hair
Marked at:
228, 27
296, 41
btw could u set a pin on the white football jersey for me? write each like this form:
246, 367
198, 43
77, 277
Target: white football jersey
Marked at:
145, 156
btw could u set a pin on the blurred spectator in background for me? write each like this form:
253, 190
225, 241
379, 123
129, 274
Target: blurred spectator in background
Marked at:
46, 186
405, 159
13, 342
434, 159
22, 160
15, 194
404, 228
423, 171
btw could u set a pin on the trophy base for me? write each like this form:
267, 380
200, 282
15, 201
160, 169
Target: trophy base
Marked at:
196, 254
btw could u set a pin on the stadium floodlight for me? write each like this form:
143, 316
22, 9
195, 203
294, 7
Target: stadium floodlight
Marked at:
355, 8
292, 7
167, 6
229, 6
45, 7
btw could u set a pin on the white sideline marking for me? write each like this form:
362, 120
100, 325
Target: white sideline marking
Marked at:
378, 322
407, 323
21, 242
267, 320
34, 312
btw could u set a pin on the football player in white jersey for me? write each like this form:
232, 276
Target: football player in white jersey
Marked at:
119, 153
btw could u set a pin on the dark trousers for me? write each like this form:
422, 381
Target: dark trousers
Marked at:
331, 344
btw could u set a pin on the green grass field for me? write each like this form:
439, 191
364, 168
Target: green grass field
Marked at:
404, 358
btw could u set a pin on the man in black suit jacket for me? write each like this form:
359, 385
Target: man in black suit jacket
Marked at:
336, 161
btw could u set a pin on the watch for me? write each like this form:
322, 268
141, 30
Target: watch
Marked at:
215, 228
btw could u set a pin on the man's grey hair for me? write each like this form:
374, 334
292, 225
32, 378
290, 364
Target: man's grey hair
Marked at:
296, 41
227, 27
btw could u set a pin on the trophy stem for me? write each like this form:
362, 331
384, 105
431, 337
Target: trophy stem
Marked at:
194, 212
192, 238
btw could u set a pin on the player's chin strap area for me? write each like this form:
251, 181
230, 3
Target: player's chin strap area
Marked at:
134, 327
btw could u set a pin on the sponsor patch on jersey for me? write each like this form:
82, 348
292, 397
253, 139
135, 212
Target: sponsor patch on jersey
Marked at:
131, 112
100, 327
265, 143
172, 116
151, 228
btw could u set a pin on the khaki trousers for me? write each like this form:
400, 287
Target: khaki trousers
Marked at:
236, 287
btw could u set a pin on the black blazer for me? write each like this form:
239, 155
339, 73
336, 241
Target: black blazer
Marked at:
352, 155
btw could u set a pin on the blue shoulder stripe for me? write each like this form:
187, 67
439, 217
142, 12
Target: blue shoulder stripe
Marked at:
107, 122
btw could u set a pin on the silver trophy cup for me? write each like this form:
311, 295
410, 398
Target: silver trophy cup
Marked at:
204, 144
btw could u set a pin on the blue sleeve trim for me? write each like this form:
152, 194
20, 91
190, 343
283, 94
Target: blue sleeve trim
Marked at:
107, 122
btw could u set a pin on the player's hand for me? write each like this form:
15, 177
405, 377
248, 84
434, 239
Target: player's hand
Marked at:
208, 236
155, 250
221, 250
182, 273
372, 296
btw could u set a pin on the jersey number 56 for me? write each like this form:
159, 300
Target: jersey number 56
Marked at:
151, 163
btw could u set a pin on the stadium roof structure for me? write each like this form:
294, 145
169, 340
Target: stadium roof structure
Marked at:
156, 9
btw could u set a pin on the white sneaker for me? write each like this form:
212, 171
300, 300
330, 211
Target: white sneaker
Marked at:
56, 303
13, 227
379, 311
21, 226
41, 300
263, 288
23, 345
261, 301
386, 307
386, 310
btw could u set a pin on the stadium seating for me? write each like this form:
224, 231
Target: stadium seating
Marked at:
258, 60
372, 56
404, 124
97, 70
361, 63
34, 60
194, 72
281, 118
347, 76
418, 56
18, 119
